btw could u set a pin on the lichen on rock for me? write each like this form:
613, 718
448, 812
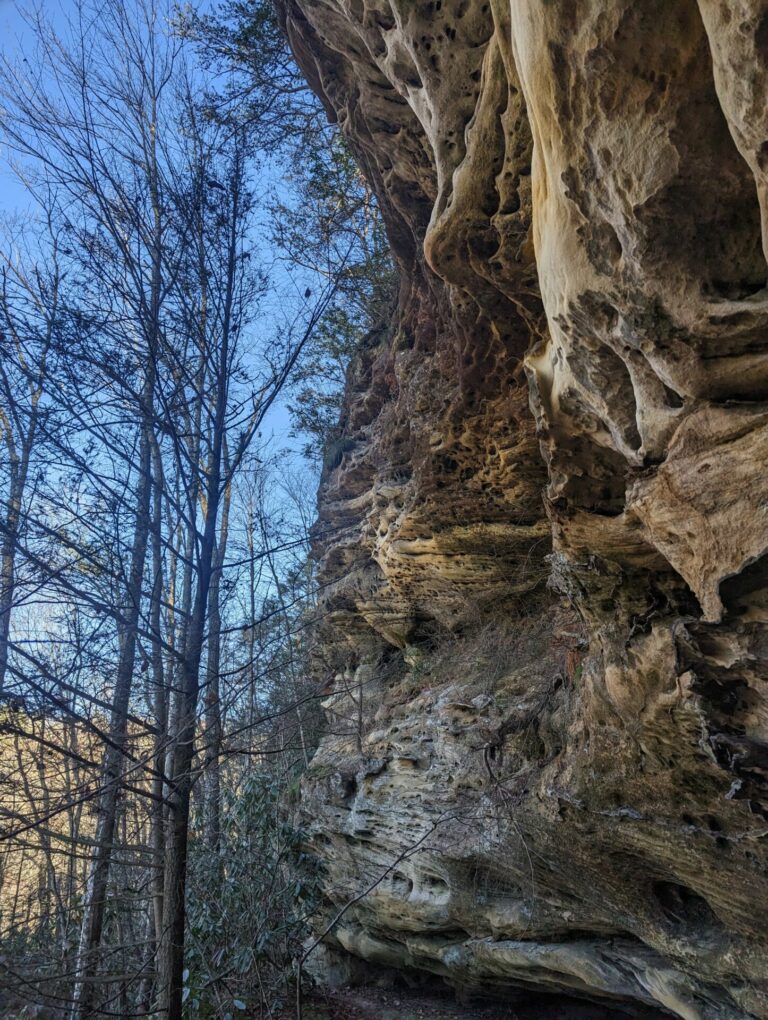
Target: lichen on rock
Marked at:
573, 388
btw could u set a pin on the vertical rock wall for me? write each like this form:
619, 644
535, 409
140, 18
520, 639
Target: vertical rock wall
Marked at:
558, 792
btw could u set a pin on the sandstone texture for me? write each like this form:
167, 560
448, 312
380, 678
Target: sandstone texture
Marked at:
543, 547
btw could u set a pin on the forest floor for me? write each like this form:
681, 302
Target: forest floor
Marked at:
368, 1003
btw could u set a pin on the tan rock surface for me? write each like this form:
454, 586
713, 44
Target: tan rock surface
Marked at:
576, 798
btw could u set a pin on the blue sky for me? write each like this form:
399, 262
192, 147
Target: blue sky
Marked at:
13, 33
15, 39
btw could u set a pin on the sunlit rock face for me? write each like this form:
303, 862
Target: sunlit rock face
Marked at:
565, 793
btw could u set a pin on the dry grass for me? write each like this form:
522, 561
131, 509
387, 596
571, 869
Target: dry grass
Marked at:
504, 655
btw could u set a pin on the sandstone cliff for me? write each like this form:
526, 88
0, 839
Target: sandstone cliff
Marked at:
545, 542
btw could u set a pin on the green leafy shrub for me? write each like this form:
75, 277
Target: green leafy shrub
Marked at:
248, 904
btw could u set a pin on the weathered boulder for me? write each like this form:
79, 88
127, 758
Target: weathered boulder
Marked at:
563, 792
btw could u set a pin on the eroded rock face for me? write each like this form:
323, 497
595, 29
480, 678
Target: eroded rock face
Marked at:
559, 793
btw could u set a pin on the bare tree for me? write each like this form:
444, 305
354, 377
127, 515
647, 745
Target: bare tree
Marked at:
30, 325
90, 120
139, 675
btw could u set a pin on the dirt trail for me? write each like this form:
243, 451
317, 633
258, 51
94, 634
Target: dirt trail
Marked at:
377, 1004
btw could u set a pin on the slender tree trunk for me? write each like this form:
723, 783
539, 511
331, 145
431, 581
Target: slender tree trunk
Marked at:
95, 901
213, 719
160, 705
7, 586
96, 889
252, 621
213, 724
19, 455
8, 548
174, 914
288, 638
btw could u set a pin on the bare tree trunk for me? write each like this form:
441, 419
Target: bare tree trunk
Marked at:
96, 889
19, 458
252, 607
288, 638
174, 914
171, 967
159, 703
7, 572
95, 901
172, 949
213, 719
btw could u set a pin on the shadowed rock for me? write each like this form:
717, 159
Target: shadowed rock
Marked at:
562, 792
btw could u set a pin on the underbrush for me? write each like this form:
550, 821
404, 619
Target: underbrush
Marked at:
501, 657
248, 905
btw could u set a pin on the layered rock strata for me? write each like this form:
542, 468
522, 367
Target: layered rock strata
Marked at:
565, 792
